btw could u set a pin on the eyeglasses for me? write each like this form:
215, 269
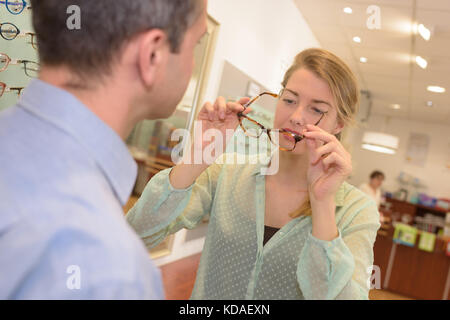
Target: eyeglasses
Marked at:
31, 68
14, 6
10, 31
33, 39
4, 88
286, 140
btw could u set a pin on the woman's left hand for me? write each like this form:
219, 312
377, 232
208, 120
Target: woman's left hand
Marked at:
329, 163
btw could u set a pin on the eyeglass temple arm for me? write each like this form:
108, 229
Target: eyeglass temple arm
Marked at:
259, 95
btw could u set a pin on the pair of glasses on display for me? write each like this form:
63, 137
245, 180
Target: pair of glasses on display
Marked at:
15, 6
4, 88
10, 31
286, 139
31, 68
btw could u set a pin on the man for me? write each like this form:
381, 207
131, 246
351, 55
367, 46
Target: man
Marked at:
65, 172
373, 187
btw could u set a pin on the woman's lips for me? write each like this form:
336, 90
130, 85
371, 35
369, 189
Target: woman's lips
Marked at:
288, 137
292, 131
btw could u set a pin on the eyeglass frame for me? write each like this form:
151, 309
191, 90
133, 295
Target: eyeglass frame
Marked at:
11, 61
24, 3
12, 24
4, 88
18, 33
33, 37
296, 137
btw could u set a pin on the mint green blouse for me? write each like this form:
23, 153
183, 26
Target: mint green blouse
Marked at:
234, 263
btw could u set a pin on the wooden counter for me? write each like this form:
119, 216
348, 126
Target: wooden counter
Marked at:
413, 272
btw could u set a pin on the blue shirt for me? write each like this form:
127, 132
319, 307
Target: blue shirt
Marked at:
64, 177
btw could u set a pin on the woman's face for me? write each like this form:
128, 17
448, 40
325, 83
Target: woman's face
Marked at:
304, 100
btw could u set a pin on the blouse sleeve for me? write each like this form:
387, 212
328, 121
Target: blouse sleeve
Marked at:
341, 268
163, 210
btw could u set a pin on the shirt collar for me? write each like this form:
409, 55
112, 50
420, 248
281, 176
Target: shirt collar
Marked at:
339, 196
63, 110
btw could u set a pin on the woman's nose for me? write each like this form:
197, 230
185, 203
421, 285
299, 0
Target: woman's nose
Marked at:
297, 117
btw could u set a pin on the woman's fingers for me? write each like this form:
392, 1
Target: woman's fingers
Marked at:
323, 151
320, 135
237, 106
207, 111
221, 109
337, 160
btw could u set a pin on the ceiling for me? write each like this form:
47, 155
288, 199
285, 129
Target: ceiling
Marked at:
390, 73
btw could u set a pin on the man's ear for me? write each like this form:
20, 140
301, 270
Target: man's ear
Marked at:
153, 55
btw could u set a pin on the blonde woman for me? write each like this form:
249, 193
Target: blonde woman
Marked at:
302, 233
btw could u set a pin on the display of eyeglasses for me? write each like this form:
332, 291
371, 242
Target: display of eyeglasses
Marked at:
19, 61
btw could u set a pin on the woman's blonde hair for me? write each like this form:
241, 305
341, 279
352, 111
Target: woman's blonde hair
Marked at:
343, 86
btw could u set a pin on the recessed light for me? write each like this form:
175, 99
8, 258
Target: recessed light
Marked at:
436, 89
357, 39
429, 103
421, 62
424, 32
395, 106
363, 59
348, 10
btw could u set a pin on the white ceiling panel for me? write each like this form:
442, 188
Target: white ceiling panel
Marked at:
440, 5
390, 74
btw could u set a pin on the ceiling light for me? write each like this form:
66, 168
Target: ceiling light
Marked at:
348, 10
421, 62
363, 59
357, 39
395, 106
380, 142
377, 148
424, 32
436, 89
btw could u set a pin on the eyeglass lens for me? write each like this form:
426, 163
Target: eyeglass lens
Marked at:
15, 6
9, 31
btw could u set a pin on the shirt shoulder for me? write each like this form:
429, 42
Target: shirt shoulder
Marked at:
357, 203
353, 193
76, 259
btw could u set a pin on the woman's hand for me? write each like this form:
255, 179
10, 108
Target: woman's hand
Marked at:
329, 164
221, 116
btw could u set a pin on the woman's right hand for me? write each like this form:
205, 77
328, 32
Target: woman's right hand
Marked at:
221, 116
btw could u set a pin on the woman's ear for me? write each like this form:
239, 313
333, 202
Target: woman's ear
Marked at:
153, 56
339, 127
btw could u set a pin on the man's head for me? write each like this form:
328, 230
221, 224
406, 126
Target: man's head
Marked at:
143, 47
376, 179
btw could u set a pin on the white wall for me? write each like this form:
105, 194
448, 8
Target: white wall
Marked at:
261, 38
434, 173
257, 37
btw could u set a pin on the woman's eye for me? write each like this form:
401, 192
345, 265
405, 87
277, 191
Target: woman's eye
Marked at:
316, 110
289, 101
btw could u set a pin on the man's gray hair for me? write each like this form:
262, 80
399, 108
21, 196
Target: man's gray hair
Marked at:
106, 25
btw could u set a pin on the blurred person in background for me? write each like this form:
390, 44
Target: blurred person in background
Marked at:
373, 187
